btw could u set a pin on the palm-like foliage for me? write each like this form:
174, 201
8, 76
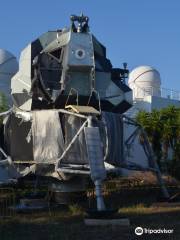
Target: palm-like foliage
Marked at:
152, 125
3, 105
163, 130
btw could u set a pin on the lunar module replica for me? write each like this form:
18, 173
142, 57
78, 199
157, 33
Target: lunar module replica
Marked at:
67, 115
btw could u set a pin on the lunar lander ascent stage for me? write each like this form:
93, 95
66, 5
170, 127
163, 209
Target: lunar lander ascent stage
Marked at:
68, 111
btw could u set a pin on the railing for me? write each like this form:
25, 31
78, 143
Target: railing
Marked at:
170, 94
139, 92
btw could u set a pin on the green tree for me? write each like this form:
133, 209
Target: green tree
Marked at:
152, 125
163, 130
3, 105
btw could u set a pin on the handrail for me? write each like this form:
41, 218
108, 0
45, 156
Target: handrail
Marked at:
140, 92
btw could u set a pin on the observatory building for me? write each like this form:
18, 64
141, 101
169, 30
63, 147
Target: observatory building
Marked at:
148, 94
8, 67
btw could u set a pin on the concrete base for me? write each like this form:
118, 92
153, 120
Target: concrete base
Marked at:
28, 205
36, 202
68, 192
107, 222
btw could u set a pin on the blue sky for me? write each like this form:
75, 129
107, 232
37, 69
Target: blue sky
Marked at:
139, 32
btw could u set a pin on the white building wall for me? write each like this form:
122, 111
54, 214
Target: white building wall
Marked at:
159, 103
136, 153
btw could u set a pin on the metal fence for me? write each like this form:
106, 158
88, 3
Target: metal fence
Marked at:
152, 91
7, 201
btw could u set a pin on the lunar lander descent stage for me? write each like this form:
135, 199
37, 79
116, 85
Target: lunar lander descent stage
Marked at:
68, 111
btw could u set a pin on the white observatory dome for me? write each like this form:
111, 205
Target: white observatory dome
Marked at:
8, 67
144, 81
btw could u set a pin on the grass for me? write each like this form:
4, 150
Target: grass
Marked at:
75, 210
142, 209
69, 225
